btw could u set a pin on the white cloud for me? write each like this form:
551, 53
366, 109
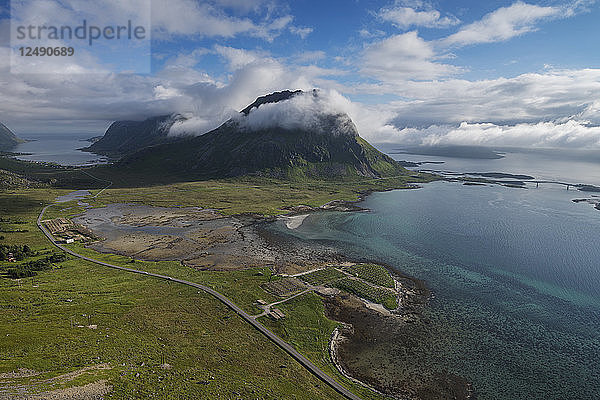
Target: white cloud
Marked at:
163, 93
423, 14
188, 17
310, 56
195, 125
577, 7
367, 34
525, 98
552, 134
243, 6
238, 58
186, 60
304, 111
404, 56
169, 18
399, 58
591, 113
502, 24
210, 103
551, 109
570, 134
302, 32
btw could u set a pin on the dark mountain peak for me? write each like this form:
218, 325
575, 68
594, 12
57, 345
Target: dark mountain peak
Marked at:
339, 124
124, 137
309, 117
8, 140
271, 98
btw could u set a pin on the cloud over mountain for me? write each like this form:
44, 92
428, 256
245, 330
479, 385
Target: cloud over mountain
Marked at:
571, 134
304, 111
396, 85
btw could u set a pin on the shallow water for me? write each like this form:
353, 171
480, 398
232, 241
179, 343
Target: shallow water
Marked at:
107, 221
76, 195
515, 275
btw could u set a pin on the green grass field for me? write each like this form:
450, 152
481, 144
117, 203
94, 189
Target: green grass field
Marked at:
377, 295
242, 286
140, 321
322, 276
247, 195
213, 353
376, 274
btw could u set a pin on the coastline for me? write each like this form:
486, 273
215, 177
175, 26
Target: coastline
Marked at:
410, 312
252, 245
334, 342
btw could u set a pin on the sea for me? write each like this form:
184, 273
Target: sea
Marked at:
58, 148
514, 272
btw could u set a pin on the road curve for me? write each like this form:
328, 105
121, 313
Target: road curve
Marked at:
305, 362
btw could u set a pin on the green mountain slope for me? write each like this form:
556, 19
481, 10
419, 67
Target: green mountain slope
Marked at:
332, 151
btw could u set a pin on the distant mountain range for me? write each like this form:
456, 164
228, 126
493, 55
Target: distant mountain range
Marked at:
8, 140
331, 149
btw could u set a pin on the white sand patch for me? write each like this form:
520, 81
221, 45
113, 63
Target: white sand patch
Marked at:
295, 221
376, 307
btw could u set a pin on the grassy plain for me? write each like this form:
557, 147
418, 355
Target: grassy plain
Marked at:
251, 194
143, 322
322, 276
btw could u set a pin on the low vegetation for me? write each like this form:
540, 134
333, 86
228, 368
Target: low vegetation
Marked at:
31, 268
374, 273
85, 315
19, 252
322, 276
82, 314
284, 287
386, 298
255, 195
308, 330
159, 339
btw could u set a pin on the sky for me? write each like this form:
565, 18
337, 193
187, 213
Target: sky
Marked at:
412, 72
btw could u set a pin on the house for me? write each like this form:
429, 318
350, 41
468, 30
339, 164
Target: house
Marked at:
11, 258
276, 314
69, 241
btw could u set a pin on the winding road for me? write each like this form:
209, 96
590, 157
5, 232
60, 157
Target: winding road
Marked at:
305, 362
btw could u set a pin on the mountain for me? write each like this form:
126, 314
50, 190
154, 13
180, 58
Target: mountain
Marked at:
8, 140
125, 137
271, 98
329, 148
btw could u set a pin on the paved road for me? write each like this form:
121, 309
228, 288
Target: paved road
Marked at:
247, 317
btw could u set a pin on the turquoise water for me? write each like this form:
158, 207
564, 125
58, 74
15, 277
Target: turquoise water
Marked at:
515, 275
